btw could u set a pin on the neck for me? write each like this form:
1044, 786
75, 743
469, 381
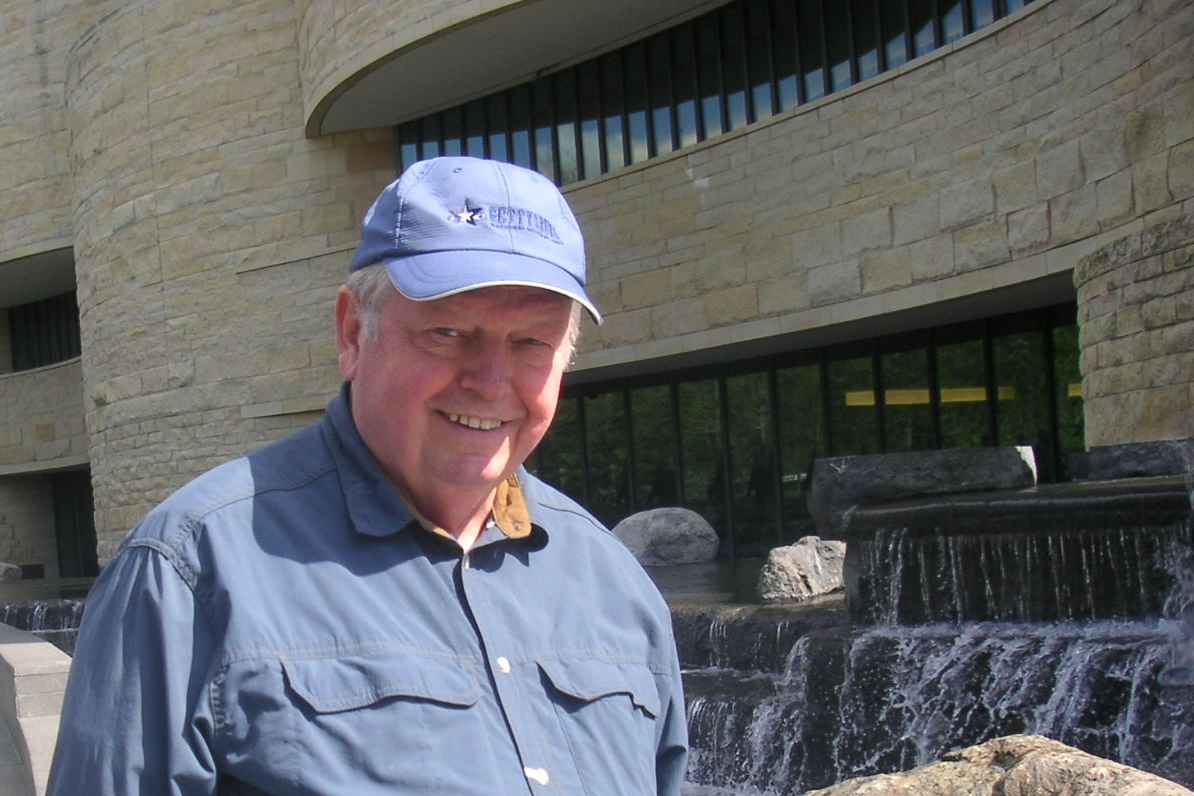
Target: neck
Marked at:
461, 517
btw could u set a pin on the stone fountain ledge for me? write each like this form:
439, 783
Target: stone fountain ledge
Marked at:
32, 682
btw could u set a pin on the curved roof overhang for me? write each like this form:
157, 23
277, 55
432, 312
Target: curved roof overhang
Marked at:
485, 54
36, 277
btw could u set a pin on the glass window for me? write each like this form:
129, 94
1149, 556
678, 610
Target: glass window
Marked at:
589, 84
453, 131
812, 58
866, 43
520, 126
709, 52
700, 438
44, 332
660, 56
609, 457
895, 26
408, 143
907, 411
636, 103
1024, 396
429, 137
474, 127
783, 54
1013, 6
952, 26
837, 37
657, 474
853, 413
924, 36
684, 84
74, 524
758, 51
1068, 394
733, 67
545, 159
561, 453
962, 381
569, 164
611, 89
499, 144
802, 439
753, 459
984, 12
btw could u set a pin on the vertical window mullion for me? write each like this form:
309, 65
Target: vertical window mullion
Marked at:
826, 71
631, 459
826, 402
584, 447
777, 447
938, 27
602, 158
967, 17
698, 103
880, 40
678, 436
774, 78
747, 77
992, 384
880, 398
854, 70
626, 134
934, 390
727, 463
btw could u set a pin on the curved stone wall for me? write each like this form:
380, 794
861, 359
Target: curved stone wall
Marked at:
1136, 307
211, 235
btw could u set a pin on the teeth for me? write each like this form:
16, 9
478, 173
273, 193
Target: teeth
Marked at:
479, 423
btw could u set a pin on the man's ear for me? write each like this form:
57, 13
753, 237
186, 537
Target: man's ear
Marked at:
350, 332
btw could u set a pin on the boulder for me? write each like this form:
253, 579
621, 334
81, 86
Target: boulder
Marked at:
1140, 459
1017, 765
9, 572
796, 572
840, 483
660, 537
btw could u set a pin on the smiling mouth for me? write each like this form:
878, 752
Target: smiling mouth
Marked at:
476, 423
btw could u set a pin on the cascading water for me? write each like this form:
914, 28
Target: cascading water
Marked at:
1083, 636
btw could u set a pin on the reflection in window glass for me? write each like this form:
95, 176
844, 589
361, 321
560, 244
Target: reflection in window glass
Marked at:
865, 44
700, 424
609, 469
894, 27
783, 55
908, 413
733, 66
636, 103
962, 380
921, 25
758, 51
408, 141
565, 90
853, 412
429, 138
709, 53
656, 478
453, 132
1068, 393
588, 82
520, 125
474, 128
560, 455
802, 439
611, 85
660, 56
812, 59
545, 159
752, 456
951, 20
1024, 395
1013, 5
837, 35
984, 12
684, 88
498, 143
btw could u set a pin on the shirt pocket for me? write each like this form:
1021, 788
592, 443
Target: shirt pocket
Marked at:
375, 718
607, 713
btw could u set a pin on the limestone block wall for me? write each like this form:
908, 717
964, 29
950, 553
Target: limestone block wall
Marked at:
41, 419
27, 522
1136, 305
999, 160
210, 237
35, 180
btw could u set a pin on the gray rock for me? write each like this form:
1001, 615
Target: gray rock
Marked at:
842, 482
1140, 459
9, 572
1017, 765
659, 537
796, 572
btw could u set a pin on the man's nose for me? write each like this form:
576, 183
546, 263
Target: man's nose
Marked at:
488, 370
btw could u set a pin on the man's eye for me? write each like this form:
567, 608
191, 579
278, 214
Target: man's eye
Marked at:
446, 332
534, 342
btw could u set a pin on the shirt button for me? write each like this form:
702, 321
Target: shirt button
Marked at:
538, 775
504, 667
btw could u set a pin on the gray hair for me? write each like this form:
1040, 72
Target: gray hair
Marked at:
372, 288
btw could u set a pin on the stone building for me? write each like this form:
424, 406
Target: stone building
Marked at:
814, 227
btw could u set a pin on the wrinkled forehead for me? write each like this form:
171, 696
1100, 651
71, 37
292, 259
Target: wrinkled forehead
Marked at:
490, 303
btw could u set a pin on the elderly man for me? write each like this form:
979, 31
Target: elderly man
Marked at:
387, 602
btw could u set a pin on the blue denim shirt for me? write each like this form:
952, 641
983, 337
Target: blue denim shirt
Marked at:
281, 625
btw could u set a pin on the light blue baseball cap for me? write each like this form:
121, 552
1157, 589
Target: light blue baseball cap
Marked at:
453, 224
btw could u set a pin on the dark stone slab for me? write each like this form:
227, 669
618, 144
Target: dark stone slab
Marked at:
841, 484
1140, 459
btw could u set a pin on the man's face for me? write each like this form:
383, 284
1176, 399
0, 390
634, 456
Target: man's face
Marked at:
452, 395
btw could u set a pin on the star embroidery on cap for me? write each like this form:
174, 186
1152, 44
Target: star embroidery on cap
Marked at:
469, 215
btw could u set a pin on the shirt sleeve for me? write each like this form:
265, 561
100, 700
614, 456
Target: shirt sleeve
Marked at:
671, 749
136, 718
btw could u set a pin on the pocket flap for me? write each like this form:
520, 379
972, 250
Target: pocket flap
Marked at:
588, 680
330, 685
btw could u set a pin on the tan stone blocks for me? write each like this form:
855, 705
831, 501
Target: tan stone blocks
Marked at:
981, 245
1028, 230
1059, 170
828, 284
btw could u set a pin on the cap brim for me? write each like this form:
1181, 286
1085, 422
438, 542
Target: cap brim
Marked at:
437, 275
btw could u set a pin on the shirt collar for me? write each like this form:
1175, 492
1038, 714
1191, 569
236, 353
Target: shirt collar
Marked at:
377, 507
